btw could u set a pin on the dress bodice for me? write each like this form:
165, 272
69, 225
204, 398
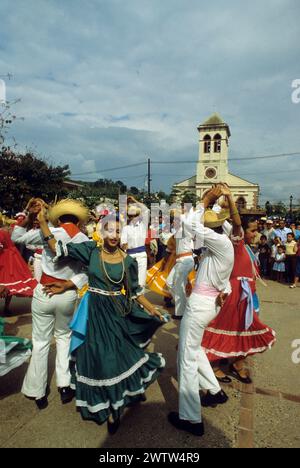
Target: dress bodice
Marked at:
243, 266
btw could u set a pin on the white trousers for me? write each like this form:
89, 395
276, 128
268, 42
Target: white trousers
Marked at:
177, 281
194, 370
141, 259
37, 267
50, 316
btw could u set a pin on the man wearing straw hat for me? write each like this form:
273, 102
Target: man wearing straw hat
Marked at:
54, 300
211, 287
133, 237
178, 277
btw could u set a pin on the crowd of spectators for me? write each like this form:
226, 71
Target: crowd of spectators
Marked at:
277, 246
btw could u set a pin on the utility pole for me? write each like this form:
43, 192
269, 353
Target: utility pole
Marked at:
149, 178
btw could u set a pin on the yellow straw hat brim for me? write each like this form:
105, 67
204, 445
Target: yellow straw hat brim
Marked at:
68, 207
214, 220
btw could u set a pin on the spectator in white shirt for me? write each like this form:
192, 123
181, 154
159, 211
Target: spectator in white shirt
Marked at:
133, 236
282, 231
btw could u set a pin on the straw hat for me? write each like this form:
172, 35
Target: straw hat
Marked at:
133, 210
68, 207
214, 220
6, 221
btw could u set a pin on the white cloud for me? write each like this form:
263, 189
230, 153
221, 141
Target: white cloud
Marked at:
116, 81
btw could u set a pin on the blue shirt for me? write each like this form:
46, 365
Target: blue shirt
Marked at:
282, 233
297, 234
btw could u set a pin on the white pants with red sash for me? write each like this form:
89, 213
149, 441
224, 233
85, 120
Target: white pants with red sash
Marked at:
51, 316
194, 370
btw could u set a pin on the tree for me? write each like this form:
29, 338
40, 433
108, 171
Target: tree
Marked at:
162, 195
279, 209
189, 197
269, 208
24, 176
134, 190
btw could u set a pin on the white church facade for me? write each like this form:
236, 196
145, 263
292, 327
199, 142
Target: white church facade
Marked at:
212, 166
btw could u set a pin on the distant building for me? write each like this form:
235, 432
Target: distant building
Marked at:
212, 167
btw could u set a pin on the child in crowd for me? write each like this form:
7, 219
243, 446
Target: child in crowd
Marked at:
297, 273
264, 255
291, 248
279, 265
274, 251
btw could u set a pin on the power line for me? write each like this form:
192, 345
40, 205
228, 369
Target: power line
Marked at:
115, 177
240, 175
247, 158
111, 169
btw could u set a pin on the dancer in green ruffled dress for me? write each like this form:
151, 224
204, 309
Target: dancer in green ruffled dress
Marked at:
14, 351
113, 324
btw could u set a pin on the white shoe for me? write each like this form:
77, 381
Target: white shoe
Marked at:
293, 286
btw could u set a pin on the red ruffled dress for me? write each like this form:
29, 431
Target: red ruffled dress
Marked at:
228, 336
14, 272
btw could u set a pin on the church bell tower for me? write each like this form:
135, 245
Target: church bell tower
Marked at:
212, 166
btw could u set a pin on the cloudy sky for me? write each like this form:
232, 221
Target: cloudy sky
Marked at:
108, 83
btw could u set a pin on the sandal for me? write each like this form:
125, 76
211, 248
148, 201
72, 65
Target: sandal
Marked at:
225, 380
236, 375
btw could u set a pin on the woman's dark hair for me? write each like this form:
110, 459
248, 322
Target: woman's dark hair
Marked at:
246, 220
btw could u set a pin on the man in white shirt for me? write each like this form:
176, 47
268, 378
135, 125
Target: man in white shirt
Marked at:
282, 231
212, 281
54, 301
178, 276
133, 236
269, 232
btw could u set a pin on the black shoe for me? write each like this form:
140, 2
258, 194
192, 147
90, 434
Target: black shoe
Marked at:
236, 375
66, 394
195, 429
42, 403
213, 400
112, 427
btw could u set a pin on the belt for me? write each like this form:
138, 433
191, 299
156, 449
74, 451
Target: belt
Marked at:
136, 250
46, 279
206, 290
187, 254
104, 293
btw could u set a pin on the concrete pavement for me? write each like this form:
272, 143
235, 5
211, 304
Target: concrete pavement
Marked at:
266, 414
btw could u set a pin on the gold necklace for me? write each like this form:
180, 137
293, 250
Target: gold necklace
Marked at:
107, 275
110, 253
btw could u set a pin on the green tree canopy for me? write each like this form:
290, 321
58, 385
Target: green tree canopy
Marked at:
25, 175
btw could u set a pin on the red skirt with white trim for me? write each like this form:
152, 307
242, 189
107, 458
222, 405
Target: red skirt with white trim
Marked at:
226, 336
15, 274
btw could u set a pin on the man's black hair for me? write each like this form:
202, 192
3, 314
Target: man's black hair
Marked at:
69, 218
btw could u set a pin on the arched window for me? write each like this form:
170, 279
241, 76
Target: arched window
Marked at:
207, 144
217, 143
241, 203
